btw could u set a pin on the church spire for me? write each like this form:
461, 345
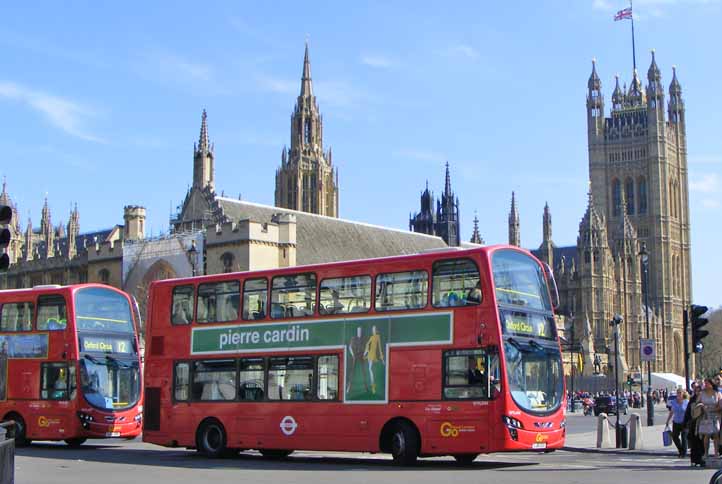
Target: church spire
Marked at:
547, 235
203, 158
475, 236
306, 84
514, 235
203, 144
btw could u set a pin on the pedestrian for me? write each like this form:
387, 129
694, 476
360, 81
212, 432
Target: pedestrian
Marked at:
677, 409
708, 426
691, 419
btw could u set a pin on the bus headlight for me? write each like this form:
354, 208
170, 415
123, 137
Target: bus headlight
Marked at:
563, 425
138, 417
511, 422
512, 425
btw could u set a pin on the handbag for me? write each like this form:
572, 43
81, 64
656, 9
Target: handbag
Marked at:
667, 437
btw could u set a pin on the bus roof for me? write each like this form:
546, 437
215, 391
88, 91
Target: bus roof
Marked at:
431, 255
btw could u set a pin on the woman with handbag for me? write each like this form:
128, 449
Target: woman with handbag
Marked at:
691, 418
708, 426
677, 408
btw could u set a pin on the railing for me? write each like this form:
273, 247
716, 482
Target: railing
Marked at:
7, 452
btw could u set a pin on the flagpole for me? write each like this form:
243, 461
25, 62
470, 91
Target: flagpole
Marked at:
634, 50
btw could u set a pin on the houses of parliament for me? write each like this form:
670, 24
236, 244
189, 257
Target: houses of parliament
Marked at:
638, 197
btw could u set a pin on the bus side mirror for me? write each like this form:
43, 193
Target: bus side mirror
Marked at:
552, 283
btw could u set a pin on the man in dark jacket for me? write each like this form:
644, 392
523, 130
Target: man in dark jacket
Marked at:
695, 442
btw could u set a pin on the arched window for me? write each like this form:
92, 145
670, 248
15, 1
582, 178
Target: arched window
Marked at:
642, 195
307, 131
104, 276
629, 193
616, 196
228, 260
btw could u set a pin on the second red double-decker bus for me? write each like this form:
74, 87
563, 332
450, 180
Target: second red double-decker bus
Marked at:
446, 353
69, 363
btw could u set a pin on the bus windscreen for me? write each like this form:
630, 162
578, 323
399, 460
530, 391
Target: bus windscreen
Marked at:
519, 281
102, 310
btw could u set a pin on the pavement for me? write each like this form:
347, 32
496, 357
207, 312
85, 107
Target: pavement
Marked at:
116, 461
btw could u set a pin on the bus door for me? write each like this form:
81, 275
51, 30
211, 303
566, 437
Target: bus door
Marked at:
470, 393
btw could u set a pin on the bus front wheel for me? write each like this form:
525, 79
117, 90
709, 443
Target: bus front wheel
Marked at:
211, 438
77, 442
404, 443
20, 430
465, 459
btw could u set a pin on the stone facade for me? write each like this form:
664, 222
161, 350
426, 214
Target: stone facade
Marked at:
307, 180
638, 197
61, 254
444, 222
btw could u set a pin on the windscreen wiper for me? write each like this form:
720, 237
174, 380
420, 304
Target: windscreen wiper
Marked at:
117, 362
514, 343
536, 345
93, 359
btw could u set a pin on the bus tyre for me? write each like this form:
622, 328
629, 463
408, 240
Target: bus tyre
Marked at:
77, 442
275, 453
20, 430
211, 439
465, 459
405, 444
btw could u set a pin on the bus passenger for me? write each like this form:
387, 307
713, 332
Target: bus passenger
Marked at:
474, 296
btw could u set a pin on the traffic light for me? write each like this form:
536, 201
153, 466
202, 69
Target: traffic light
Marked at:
697, 322
6, 214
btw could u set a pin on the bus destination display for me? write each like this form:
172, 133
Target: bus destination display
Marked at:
104, 344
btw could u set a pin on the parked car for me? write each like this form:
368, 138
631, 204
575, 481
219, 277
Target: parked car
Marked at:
608, 405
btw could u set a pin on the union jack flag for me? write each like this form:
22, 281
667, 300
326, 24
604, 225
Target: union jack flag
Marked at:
623, 14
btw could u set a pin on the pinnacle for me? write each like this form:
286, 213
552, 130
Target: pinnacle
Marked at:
306, 84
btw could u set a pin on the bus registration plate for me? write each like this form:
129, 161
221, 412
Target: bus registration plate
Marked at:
539, 445
113, 431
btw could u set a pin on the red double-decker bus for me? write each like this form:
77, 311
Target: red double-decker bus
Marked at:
69, 363
446, 353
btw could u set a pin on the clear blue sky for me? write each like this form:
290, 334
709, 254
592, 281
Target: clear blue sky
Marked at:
101, 104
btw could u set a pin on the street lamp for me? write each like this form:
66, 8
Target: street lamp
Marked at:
571, 350
644, 256
616, 321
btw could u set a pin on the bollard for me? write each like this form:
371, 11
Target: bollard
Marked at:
635, 432
604, 435
7, 454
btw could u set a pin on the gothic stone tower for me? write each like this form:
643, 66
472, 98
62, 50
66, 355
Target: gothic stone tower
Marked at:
203, 158
445, 221
638, 171
514, 229
307, 180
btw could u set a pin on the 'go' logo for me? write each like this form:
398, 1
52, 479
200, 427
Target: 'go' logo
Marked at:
43, 421
448, 429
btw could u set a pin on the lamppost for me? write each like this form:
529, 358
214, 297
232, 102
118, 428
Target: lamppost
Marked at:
644, 256
571, 350
192, 255
616, 321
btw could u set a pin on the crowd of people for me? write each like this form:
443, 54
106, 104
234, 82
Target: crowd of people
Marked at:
696, 420
693, 420
634, 399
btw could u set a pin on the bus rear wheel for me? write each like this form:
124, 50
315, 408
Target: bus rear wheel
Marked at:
211, 439
405, 443
20, 430
465, 459
77, 442
275, 453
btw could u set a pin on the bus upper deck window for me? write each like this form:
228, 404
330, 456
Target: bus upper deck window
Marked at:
52, 314
456, 282
182, 305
